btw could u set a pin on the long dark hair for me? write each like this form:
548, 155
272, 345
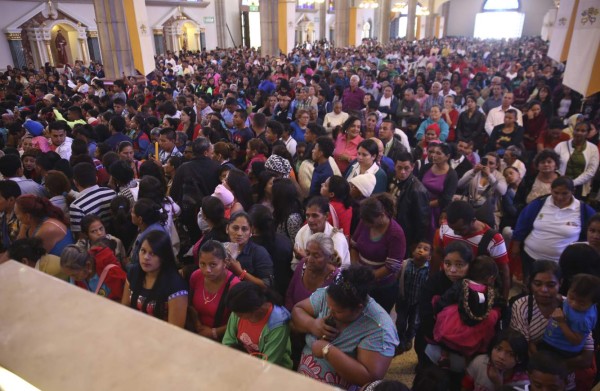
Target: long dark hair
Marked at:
285, 200
160, 243
246, 297
240, 186
190, 129
339, 186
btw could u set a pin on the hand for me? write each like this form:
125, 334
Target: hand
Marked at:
478, 167
345, 157
204, 331
323, 331
299, 252
495, 375
317, 347
234, 265
485, 171
558, 315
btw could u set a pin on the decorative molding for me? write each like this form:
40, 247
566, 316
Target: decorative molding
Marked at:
157, 32
190, 4
92, 34
13, 36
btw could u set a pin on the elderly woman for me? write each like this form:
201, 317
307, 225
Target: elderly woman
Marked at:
549, 224
346, 143
435, 117
316, 270
537, 184
484, 184
579, 159
336, 118
350, 339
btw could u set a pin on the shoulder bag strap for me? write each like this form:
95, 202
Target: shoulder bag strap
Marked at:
221, 306
485, 241
103, 277
401, 288
334, 216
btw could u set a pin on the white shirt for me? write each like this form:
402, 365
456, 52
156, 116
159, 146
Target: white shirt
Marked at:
332, 120
403, 138
496, 117
64, 149
553, 230
340, 244
290, 145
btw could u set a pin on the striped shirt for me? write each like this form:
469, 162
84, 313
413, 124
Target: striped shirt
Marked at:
496, 248
93, 200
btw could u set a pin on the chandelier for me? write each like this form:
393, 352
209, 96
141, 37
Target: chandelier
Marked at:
368, 4
399, 6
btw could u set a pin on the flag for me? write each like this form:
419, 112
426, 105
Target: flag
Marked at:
562, 30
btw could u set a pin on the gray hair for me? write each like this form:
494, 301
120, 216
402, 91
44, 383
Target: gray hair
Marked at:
74, 257
326, 245
516, 151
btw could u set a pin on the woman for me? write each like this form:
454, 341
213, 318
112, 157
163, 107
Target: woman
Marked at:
435, 117
388, 103
188, 123
509, 209
534, 124
126, 154
366, 163
153, 285
579, 159
379, 244
552, 136
530, 314
337, 190
350, 339
484, 185
40, 219
544, 96
258, 324
96, 270
223, 152
506, 134
450, 115
537, 184
336, 118
471, 123
209, 287
139, 135
268, 109
58, 187
287, 208
593, 232
147, 216
238, 183
439, 179
300, 125
421, 96
277, 245
264, 188
371, 129
246, 259
30, 252
346, 143
549, 224
256, 152
316, 270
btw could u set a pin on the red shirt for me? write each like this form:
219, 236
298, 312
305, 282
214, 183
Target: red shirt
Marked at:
344, 217
207, 311
248, 333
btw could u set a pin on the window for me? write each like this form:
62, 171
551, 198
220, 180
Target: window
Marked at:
499, 19
501, 5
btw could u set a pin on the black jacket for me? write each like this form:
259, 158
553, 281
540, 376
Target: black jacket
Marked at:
396, 148
412, 210
202, 170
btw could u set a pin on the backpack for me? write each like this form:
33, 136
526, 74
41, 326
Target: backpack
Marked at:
486, 239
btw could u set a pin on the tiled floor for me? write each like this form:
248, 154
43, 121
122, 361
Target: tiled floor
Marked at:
403, 368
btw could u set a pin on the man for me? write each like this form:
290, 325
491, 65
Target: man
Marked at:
282, 112
370, 87
119, 107
391, 145
118, 91
494, 100
446, 88
167, 141
408, 108
92, 198
74, 116
412, 201
496, 115
463, 226
241, 134
352, 97
9, 224
60, 143
11, 169
321, 152
202, 170
230, 107
273, 134
435, 99
259, 125
117, 127
203, 108
459, 162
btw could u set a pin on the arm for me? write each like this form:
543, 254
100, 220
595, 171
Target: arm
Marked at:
277, 344
444, 130
421, 131
303, 321
178, 311
571, 336
126, 299
230, 336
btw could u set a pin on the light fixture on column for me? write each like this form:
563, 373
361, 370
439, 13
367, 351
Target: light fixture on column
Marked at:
399, 7
50, 10
424, 11
368, 4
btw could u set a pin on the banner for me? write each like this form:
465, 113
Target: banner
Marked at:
548, 24
582, 73
562, 30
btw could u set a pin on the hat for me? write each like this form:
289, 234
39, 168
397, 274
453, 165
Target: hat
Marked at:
301, 81
224, 194
435, 127
278, 165
92, 121
34, 128
48, 97
40, 143
365, 183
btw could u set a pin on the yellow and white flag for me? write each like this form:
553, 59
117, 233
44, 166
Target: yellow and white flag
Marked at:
562, 30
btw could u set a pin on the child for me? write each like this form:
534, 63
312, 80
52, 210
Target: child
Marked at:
466, 316
547, 372
571, 324
412, 277
94, 233
337, 190
504, 365
432, 136
227, 198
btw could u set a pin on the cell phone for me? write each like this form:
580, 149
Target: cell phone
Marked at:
330, 321
484, 161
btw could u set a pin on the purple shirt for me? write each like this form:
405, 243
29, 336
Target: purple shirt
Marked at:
388, 250
297, 291
352, 100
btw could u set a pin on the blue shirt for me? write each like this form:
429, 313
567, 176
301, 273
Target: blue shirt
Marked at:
320, 175
297, 132
579, 322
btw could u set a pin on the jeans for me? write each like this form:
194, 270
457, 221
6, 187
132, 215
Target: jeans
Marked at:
406, 321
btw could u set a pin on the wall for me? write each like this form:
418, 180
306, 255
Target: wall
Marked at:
232, 17
461, 20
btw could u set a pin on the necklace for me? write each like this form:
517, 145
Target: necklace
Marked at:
206, 301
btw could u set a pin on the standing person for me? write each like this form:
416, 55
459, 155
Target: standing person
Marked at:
379, 244
412, 278
337, 190
96, 270
258, 324
350, 339
495, 116
321, 153
209, 287
154, 285
9, 223
353, 96
346, 143
366, 163
471, 123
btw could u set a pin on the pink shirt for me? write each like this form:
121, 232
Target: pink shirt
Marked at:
349, 148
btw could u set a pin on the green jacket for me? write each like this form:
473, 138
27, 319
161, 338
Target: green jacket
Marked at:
274, 341
59, 117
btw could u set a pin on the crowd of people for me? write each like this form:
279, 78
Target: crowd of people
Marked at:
289, 206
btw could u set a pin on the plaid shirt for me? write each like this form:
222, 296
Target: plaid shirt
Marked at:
414, 279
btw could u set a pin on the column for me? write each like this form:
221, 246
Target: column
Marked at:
385, 11
49, 53
342, 23
83, 48
323, 20
197, 38
287, 28
115, 44
269, 27
39, 50
430, 20
221, 23
411, 20
94, 46
159, 41
15, 43
140, 35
